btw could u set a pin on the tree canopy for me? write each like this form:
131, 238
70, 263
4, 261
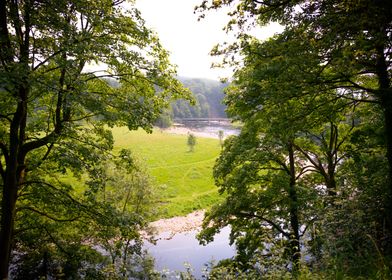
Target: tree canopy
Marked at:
70, 69
314, 154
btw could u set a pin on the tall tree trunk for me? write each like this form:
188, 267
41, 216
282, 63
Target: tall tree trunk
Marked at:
7, 220
388, 134
331, 154
294, 221
385, 98
13, 177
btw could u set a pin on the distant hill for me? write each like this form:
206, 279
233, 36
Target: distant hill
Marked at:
209, 96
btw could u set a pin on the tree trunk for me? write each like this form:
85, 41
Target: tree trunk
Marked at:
7, 221
13, 176
385, 98
294, 221
388, 134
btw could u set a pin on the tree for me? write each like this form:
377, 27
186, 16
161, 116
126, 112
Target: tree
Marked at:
191, 141
208, 95
351, 40
221, 136
286, 172
62, 239
165, 119
263, 204
54, 107
279, 177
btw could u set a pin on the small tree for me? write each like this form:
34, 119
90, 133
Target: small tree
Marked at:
191, 141
221, 135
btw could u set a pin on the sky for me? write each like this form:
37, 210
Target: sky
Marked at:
188, 40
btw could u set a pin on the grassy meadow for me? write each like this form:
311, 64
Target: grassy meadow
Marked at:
184, 178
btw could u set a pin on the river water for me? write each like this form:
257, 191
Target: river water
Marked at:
183, 249
205, 129
214, 128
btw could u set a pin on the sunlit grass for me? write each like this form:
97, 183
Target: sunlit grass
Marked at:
185, 177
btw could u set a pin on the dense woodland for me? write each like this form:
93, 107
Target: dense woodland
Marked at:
307, 183
209, 95
208, 102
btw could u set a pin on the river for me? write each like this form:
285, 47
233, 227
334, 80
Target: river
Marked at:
207, 129
183, 248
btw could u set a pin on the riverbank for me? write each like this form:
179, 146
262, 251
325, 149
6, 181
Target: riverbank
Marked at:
167, 228
181, 130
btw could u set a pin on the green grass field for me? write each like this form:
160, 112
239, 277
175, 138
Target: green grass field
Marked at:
185, 177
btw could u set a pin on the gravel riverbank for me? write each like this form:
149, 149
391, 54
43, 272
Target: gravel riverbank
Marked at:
186, 130
167, 228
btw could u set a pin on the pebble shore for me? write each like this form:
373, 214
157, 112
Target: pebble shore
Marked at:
171, 226
185, 131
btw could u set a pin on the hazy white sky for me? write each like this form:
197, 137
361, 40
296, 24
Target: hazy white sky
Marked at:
189, 41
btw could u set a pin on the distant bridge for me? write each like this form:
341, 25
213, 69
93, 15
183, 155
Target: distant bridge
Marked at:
207, 120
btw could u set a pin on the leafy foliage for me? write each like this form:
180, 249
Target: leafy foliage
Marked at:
191, 141
314, 154
208, 97
68, 70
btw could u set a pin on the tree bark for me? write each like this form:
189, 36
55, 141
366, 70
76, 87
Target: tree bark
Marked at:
293, 208
13, 175
7, 220
388, 135
385, 98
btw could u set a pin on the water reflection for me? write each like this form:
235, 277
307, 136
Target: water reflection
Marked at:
184, 248
206, 128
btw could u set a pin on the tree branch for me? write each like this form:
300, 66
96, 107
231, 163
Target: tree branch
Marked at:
2, 171
307, 226
29, 146
270, 5
88, 210
316, 165
46, 60
274, 225
6, 117
46, 214
306, 169
58, 126
4, 150
57, 244
43, 158
6, 50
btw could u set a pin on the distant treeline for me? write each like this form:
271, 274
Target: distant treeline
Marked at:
208, 96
